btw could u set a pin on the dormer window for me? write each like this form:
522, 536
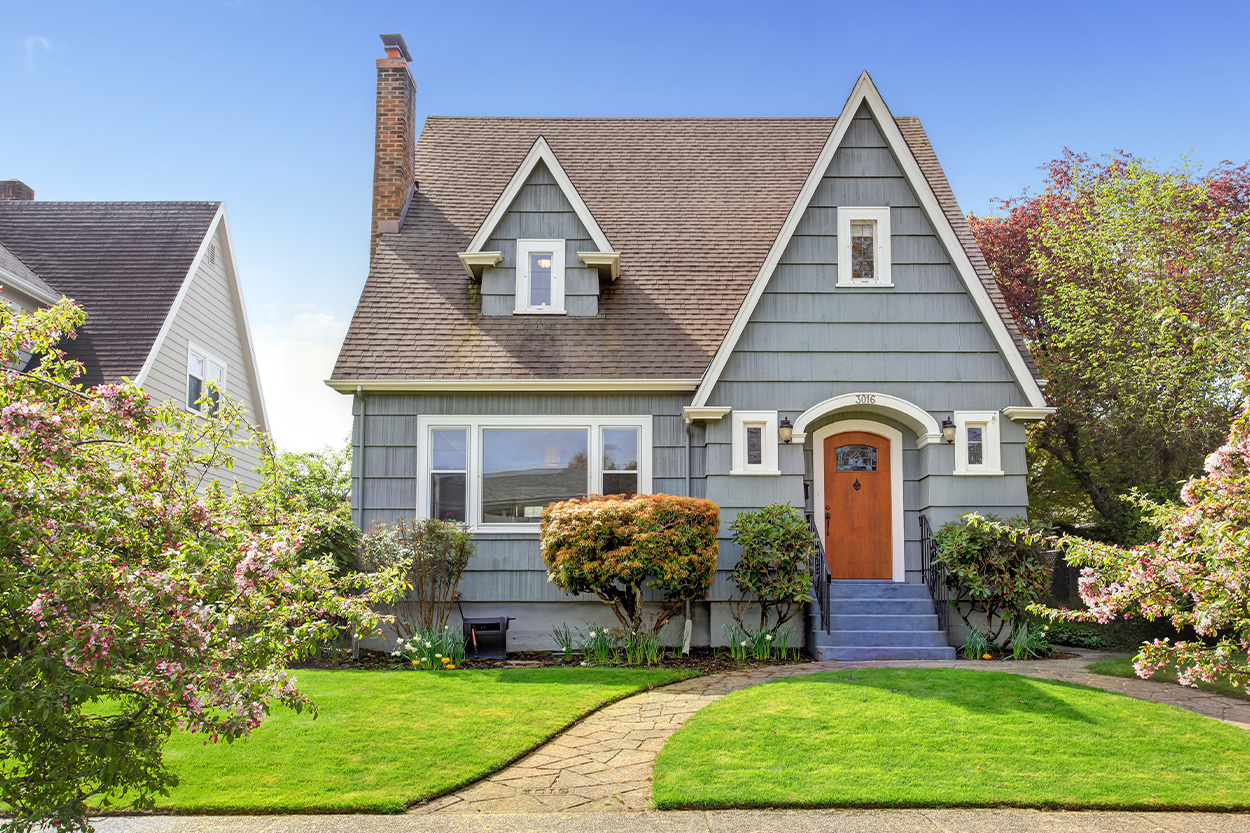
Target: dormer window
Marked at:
540, 276
863, 246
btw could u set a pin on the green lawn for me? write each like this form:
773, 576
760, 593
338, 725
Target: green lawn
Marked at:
883, 737
1123, 667
385, 739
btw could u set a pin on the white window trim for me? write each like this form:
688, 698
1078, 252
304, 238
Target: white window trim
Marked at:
766, 419
594, 426
523, 249
847, 214
208, 357
990, 450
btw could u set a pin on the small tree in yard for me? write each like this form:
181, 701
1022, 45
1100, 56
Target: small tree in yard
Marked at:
432, 555
773, 571
615, 546
132, 604
991, 570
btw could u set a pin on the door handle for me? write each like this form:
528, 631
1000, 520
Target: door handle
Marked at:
826, 524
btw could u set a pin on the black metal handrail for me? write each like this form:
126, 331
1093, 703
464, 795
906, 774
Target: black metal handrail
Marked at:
820, 573
934, 574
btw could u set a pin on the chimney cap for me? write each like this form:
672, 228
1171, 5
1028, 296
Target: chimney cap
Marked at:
396, 41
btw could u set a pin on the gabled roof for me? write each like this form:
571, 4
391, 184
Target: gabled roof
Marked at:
16, 273
694, 206
125, 262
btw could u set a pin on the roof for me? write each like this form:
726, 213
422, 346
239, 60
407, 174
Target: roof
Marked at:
124, 262
692, 204
13, 265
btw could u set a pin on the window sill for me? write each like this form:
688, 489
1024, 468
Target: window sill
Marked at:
737, 472
539, 312
979, 473
864, 285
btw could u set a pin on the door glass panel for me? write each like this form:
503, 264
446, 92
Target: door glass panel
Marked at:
523, 470
857, 458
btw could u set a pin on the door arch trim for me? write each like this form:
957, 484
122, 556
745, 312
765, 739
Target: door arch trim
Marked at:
895, 438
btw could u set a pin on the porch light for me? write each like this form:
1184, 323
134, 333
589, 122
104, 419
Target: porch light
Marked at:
948, 430
786, 430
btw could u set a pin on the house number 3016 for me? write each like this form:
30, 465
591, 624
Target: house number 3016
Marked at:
865, 399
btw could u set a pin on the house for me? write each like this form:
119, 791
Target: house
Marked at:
161, 289
558, 306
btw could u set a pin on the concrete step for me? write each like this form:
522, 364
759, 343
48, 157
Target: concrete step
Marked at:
839, 621
851, 653
880, 607
916, 639
877, 590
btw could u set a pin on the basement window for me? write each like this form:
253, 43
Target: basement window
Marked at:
864, 246
540, 277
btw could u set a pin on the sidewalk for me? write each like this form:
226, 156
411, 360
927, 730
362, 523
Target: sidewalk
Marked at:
719, 821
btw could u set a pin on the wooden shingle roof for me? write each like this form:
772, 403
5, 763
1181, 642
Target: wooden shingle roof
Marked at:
691, 204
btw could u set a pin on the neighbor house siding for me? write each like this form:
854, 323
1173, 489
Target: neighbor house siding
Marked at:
210, 317
922, 340
540, 211
507, 574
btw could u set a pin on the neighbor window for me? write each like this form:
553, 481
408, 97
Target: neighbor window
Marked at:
754, 442
976, 443
499, 473
203, 369
540, 276
863, 246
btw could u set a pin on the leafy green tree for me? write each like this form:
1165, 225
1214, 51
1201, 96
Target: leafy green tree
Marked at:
133, 601
1126, 280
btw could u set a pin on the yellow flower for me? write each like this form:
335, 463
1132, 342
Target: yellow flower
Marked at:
451, 667
987, 656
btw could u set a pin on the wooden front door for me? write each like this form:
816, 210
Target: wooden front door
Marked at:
857, 506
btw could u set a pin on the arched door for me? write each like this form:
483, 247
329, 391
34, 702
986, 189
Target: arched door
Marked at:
857, 506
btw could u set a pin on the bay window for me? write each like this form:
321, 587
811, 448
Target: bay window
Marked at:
499, 473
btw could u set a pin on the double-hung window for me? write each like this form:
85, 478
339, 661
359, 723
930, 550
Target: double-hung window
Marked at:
976, 443
499, 473
863, 246
202, 369
540, 276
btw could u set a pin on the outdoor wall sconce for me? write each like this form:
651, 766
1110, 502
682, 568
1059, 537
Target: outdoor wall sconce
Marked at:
786, 430
948, 430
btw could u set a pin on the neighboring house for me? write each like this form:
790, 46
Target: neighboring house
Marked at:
159, 283
557, 306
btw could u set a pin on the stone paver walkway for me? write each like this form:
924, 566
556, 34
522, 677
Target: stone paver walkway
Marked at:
604, 762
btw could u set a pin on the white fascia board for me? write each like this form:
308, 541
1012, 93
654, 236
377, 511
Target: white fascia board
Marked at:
865, 92
540, 152
512, 385
24, 286
1020, 413
262, 416
179, 298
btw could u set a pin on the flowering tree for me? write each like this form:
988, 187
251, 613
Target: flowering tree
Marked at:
132, 602
1194, 574
615, 546
1119, 274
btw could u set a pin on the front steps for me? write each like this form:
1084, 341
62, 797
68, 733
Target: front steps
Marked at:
878, 620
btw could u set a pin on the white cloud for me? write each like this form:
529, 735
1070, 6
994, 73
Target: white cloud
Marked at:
32, 46
295, 357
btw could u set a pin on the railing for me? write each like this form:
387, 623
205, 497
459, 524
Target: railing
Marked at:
934, 575
820, 573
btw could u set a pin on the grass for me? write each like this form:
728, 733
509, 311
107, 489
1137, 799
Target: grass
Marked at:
385, 739
887, 737
1123, 667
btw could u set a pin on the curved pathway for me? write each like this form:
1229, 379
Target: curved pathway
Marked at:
604, 762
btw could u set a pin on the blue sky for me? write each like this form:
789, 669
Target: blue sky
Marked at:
268, 105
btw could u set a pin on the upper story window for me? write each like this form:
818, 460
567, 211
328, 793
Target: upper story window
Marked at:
864, 246
203, 368
540, 276
976, 443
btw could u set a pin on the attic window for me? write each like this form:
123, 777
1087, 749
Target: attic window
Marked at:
540, 276
204, 369
863, 246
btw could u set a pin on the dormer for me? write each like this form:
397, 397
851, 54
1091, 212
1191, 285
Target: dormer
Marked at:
539, 250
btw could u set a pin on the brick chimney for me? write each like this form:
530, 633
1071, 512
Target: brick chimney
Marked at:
15, 189
396, 139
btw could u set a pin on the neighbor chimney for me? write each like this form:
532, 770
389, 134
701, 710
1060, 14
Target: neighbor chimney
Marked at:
15, 189
396, 138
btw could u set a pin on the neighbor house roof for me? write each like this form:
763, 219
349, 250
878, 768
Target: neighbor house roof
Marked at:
124, 262
11, 265
692, 205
